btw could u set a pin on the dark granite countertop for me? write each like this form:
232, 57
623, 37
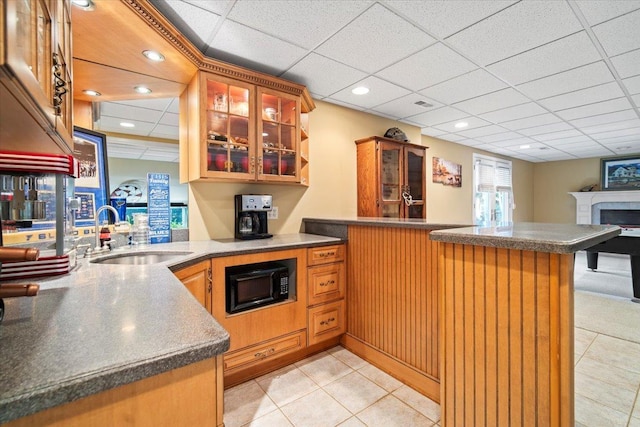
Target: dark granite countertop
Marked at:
105, 325
531, 236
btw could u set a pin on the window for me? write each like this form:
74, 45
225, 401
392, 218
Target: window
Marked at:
493, 192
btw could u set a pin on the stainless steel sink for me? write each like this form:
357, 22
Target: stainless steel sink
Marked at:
139, 258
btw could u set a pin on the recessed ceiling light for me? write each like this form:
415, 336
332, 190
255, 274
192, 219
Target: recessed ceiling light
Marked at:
153, 55
142, 89
127, 125
461, 125
360, 90
91, 92
83, 4
525, 146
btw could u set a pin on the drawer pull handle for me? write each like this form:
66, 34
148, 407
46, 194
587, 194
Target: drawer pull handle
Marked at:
329, 320
263, 354
328, 283
327, 254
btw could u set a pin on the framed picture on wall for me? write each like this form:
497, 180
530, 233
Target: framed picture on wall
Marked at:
620, 173
92, 184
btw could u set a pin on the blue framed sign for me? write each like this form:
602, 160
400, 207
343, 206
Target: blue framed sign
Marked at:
92, 184
159, 207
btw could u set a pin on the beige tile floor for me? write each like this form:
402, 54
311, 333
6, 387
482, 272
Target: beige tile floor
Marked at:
337, 388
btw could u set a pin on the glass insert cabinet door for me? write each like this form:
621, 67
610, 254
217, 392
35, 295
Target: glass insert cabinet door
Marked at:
390, 180
278, 136
229, 129
413, 191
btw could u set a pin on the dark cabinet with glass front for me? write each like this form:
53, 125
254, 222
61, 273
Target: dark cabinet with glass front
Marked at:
391, 178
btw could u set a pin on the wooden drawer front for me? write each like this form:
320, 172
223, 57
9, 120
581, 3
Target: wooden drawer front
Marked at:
257, 353
326, 321
325, 254
326, 283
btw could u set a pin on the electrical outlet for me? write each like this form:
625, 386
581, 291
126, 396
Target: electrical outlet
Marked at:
273, 213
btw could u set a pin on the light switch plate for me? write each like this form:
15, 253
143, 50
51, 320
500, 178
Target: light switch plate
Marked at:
273, 213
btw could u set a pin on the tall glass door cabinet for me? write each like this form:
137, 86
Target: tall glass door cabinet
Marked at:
391, 178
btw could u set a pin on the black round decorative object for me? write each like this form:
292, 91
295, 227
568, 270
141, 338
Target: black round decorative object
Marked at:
397, 134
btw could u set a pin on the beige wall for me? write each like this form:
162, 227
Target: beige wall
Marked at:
333, 192
553, 180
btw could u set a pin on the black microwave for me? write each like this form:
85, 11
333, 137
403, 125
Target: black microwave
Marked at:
255, 285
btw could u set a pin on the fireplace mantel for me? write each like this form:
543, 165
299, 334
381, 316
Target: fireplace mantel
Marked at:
586, 199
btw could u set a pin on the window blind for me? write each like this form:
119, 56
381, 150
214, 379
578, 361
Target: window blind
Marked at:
503, 177
485, 176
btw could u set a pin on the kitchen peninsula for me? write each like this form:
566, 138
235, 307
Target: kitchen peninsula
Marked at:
478, 319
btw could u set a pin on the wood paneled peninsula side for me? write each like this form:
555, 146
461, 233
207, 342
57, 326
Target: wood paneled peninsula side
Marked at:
478, 319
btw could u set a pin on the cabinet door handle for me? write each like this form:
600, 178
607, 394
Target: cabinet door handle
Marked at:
60, 85
253, 164
328, 321
328, 283
210, 280
327, 254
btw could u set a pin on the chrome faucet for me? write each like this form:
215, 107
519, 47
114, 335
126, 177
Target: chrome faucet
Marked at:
98, 212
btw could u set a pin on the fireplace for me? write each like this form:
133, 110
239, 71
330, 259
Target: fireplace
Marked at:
621, 217
591, 204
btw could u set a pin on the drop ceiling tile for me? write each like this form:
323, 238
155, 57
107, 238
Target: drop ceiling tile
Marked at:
492, 101
429, 131
617, 133
625, 124
112, 124
452, 137
516, 142
627, 64
472, 122
636, 100
568, 81
483, 131
164, 131
617, 140
170, 119
470, 85
618, 116
127, 112
499, 137
160, 104
595, 152
597, 11
590, 95
621, 34
430, 66
195, 22
304, 23
557, 135
528, 122
560, 55
435, 117
471, 142
406, 106
521, 27
124, 154
578, 139
174, 106
578, 146
218, 7
632, 84
252, 49
444, 18
380, 92
539, 130
362, 43
322, 75
513, 113
604, 107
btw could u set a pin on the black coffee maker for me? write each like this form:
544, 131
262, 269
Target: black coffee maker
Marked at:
251, 216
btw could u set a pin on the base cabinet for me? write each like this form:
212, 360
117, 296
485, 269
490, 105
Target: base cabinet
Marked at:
197, 279
326, 291
187, 396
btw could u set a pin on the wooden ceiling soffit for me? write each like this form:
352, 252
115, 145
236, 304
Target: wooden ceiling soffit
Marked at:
113, 36
116, 84
165, 28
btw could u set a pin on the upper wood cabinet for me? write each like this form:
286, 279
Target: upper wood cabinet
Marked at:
391, 178
36, 75
234, 130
